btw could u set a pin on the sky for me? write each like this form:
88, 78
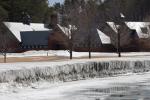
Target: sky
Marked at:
55, 1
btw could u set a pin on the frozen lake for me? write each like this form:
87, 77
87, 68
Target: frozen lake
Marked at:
132, 87
125, 87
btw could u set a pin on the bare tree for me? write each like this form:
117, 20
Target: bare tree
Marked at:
3, 41
82, 14
114, 16
85, 15
3, 16
71, 12
69, 33
8, 43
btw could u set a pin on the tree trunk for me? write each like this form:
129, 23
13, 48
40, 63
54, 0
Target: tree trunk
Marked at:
70, 48
89, 49
89, 54
47, 54
70, 54
5, 57
89, 45
118, 45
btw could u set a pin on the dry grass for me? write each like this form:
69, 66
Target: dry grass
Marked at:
32, 59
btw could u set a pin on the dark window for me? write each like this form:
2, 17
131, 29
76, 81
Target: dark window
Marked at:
35, 46
133, 33
38, 46
144, 30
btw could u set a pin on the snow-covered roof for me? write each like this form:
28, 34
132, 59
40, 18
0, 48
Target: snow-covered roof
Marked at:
16, 28
113, 26
136, 26
104, 38
65, 30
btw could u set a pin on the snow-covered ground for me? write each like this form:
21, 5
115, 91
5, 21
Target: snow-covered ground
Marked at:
65, 53
126, 87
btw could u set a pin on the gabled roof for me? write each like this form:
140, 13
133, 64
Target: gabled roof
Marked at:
112, 25
103, 37
138, 27
65, 30
135, 26
16, 28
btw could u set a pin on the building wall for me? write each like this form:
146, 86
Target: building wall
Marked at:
8, 42
58, 40
33, 39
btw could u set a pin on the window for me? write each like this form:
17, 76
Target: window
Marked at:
35, 46
27, 47
30, 47
144, 30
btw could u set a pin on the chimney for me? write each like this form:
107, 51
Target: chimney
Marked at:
26, 18
56, 18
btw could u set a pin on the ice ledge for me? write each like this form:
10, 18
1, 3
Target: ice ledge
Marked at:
72, 71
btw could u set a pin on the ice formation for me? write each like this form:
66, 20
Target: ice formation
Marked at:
73, 71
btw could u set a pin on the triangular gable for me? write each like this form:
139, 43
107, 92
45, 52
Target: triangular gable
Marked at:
103, 37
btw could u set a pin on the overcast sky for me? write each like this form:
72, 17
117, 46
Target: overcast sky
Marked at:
55, 1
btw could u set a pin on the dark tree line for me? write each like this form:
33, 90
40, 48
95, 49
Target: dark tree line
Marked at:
39, 10
134, 10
